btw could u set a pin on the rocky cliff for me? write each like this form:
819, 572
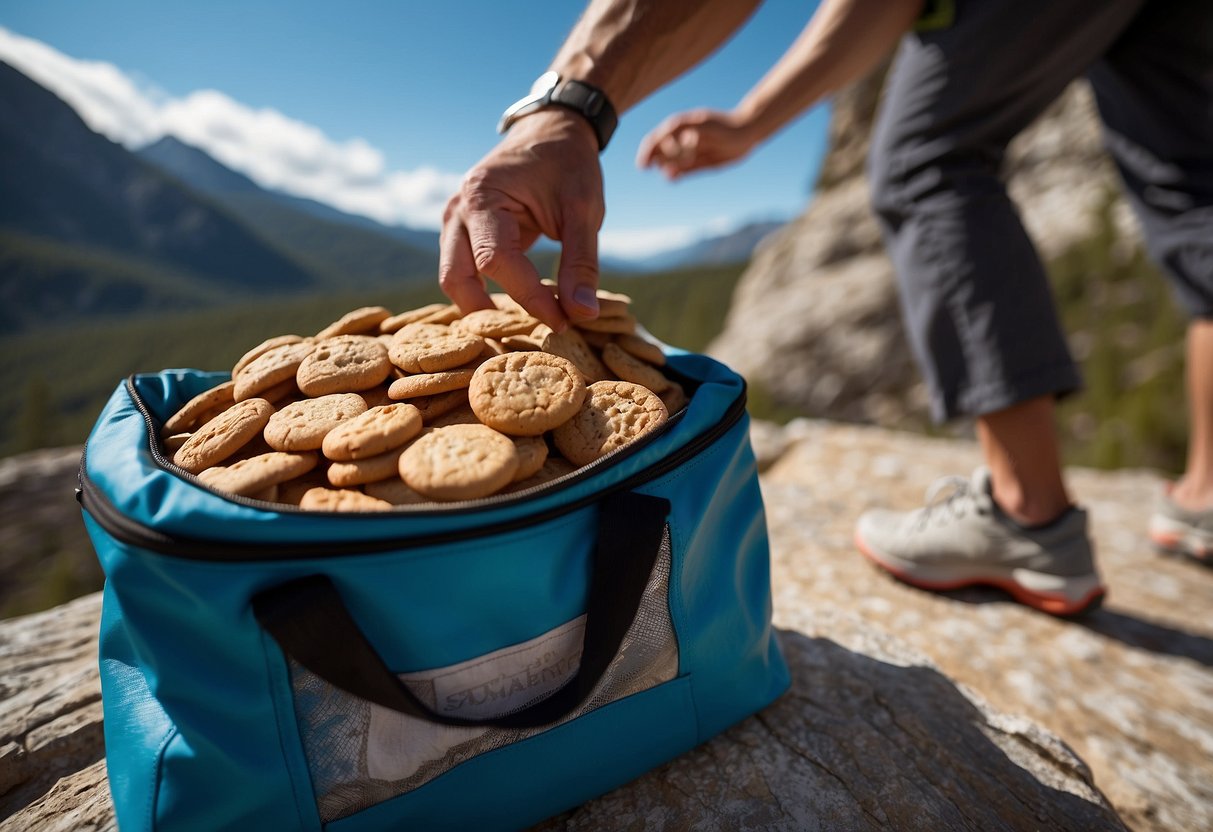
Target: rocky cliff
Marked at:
815, 322
908, 710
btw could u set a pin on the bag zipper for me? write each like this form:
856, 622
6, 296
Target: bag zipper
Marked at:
133, 533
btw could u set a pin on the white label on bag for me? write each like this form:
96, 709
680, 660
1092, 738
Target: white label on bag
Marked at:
487, 686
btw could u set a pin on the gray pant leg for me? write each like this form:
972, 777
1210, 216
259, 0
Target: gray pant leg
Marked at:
1154, 88
975, 297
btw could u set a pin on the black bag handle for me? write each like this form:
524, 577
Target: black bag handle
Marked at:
311, 624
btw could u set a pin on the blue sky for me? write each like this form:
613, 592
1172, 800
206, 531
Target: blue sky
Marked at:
400, 96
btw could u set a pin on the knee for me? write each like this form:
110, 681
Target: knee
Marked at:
912, 173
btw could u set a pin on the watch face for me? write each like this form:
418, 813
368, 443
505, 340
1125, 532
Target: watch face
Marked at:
545, 83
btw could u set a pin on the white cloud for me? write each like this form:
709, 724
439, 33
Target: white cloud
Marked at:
275, 150
639, 243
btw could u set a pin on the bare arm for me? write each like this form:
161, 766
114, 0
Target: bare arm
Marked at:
544, 176
841, 43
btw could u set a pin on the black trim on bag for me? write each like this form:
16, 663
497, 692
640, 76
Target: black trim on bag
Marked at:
133, 533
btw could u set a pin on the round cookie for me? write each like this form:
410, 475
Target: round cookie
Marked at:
429, 384
614, 414
620, 325
440, 404
270, 368
412, 316
674, 398
191, 413
630, 368
526, 393
342, 499
642, 349
459, 462
372, 433
302, 425
291, 492
394, 491
364, 319
532, 453
344, 364
553, 468
430, 348
224, 435
497, 323
571, 345
264, 347
367, 469
248, 477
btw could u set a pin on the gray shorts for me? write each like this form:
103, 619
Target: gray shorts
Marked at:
975, 297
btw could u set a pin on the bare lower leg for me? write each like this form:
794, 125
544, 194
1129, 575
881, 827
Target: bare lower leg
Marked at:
1023, 453
1195, 488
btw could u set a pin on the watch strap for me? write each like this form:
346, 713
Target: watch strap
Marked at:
593, 105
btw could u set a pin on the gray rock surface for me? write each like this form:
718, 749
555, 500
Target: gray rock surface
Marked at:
815, 319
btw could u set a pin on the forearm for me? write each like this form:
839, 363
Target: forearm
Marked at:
630, 48
844, 40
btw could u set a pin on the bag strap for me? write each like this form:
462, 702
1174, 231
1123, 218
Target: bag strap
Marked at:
312, 625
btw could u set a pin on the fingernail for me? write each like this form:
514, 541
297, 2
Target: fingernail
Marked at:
586, 297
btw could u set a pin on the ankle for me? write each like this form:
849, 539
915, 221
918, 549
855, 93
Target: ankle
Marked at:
1027, 508
1192, 493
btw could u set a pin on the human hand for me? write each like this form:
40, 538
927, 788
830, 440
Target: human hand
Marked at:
542, 178
695, 140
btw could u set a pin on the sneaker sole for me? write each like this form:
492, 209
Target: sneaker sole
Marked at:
1063, 597
1181, 539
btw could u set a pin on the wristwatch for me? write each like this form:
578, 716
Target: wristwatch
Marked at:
550, 90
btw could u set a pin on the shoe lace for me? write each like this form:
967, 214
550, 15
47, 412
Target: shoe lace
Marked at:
946, 493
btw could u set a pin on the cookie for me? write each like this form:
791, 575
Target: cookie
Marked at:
394, 491
344, 364
249, 477
342, 499
521, 343
613, 304
461, 415
377, 396
642, 349
429, 384
571, 345
212, 402
264, 347
395, 322
302, 425
614, 414
222, 436
372, 433
459, 462
357, 322
553, 468
621, 325
367, 469
429, 348
674, 398
291, 492
270, 368
436, 406
174, 441
630, 368
526, 393
497, 323
532, 453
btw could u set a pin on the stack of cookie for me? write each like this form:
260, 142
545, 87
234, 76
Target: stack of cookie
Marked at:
379, 410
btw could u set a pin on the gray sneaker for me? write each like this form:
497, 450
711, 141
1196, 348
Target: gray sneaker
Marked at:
961, 537
1176, 529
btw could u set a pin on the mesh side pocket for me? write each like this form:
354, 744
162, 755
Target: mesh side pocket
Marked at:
360, 754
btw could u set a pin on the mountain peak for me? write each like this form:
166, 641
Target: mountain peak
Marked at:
195, 167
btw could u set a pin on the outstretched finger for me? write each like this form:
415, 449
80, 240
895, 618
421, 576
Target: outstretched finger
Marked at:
457, 274
497, 252
578, 275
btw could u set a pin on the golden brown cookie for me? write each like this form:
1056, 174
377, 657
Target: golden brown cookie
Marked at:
447, 315
357, 322
340, 499
459, 462
429, 348
174, 441
412, 316
302, 425
461, 415
640, 348
674, 398
571, 345
367, 469
597, 340
264, 347
497, 323
429, 384
630, 368
614, 414
372, 433
613, 304
224, 435
394, 491
620, 325
553, 468
376, 396
433, 407
251, 476
532, 453
344, 364
270, 368
521, 343
526, 393
212, 402
291, 492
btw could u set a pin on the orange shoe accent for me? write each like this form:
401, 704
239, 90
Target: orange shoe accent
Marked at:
1050, 603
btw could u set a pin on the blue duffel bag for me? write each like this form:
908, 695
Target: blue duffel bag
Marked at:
478, 665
